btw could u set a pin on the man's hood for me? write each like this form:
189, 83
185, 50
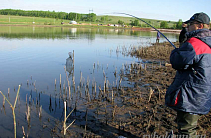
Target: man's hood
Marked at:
202, 34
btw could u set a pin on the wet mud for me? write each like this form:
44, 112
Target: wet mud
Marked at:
138, 111
112, 110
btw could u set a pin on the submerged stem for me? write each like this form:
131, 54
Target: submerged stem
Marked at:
13, 108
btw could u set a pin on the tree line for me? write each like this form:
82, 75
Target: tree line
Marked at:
51, 14
91, 17
159, 24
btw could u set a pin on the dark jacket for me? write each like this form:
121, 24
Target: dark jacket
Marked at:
182, 36
191, 88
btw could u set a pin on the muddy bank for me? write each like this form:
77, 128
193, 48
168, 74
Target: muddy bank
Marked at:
169, 30
111, 110
152, 83
136, 111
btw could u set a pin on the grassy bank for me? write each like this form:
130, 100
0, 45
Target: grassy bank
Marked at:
24, 20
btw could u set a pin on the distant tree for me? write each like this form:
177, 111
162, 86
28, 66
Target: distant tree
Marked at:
179, 24
120, 22
106, 18
102, 19
49, 14
134, 23
92, 17
163, 24
72, 16
174, 26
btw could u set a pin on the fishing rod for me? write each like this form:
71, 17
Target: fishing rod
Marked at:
147, 24
153, 28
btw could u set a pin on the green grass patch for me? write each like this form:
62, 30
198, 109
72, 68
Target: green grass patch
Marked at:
30, 20
24, 20
127, 21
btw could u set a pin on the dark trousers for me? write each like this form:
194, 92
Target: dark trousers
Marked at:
187, 123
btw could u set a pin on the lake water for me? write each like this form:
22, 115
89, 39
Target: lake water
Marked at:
34, 57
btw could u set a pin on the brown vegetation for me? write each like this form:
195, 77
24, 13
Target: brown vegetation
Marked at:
140, 110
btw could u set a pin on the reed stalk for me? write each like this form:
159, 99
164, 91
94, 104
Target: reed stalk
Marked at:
158, 93
95, 89
65, 119
24, 134
28, 114
4, 102
55, 83
34, 83
73, 57
112, 96
60, 80
8, 91
150, 93
40, 112
26, 99
69, 91
86, 119
114, 112
13, 108
104, 90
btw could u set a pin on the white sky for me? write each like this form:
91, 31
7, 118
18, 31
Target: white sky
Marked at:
172, 10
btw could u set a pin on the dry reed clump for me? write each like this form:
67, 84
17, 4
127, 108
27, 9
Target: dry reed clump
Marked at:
113, 110
132, 111
159, 51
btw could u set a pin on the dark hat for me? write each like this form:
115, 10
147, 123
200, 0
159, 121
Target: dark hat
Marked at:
200, 17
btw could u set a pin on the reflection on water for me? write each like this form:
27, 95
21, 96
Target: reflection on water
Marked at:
36, 56
70, 64
70, 33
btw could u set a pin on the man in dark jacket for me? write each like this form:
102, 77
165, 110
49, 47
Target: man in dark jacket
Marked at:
190, 92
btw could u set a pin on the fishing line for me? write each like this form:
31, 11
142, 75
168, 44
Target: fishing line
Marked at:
153, 28
147, 24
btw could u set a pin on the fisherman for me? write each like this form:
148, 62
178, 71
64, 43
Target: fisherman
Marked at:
190, 92
158, 37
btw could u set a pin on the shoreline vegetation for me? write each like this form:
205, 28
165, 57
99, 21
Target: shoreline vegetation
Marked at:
85, 21
96, 26
52, 17
141, 109
131, 111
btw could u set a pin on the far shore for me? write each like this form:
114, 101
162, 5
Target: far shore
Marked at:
96, 26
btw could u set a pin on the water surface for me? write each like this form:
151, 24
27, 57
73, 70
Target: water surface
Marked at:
35, 56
